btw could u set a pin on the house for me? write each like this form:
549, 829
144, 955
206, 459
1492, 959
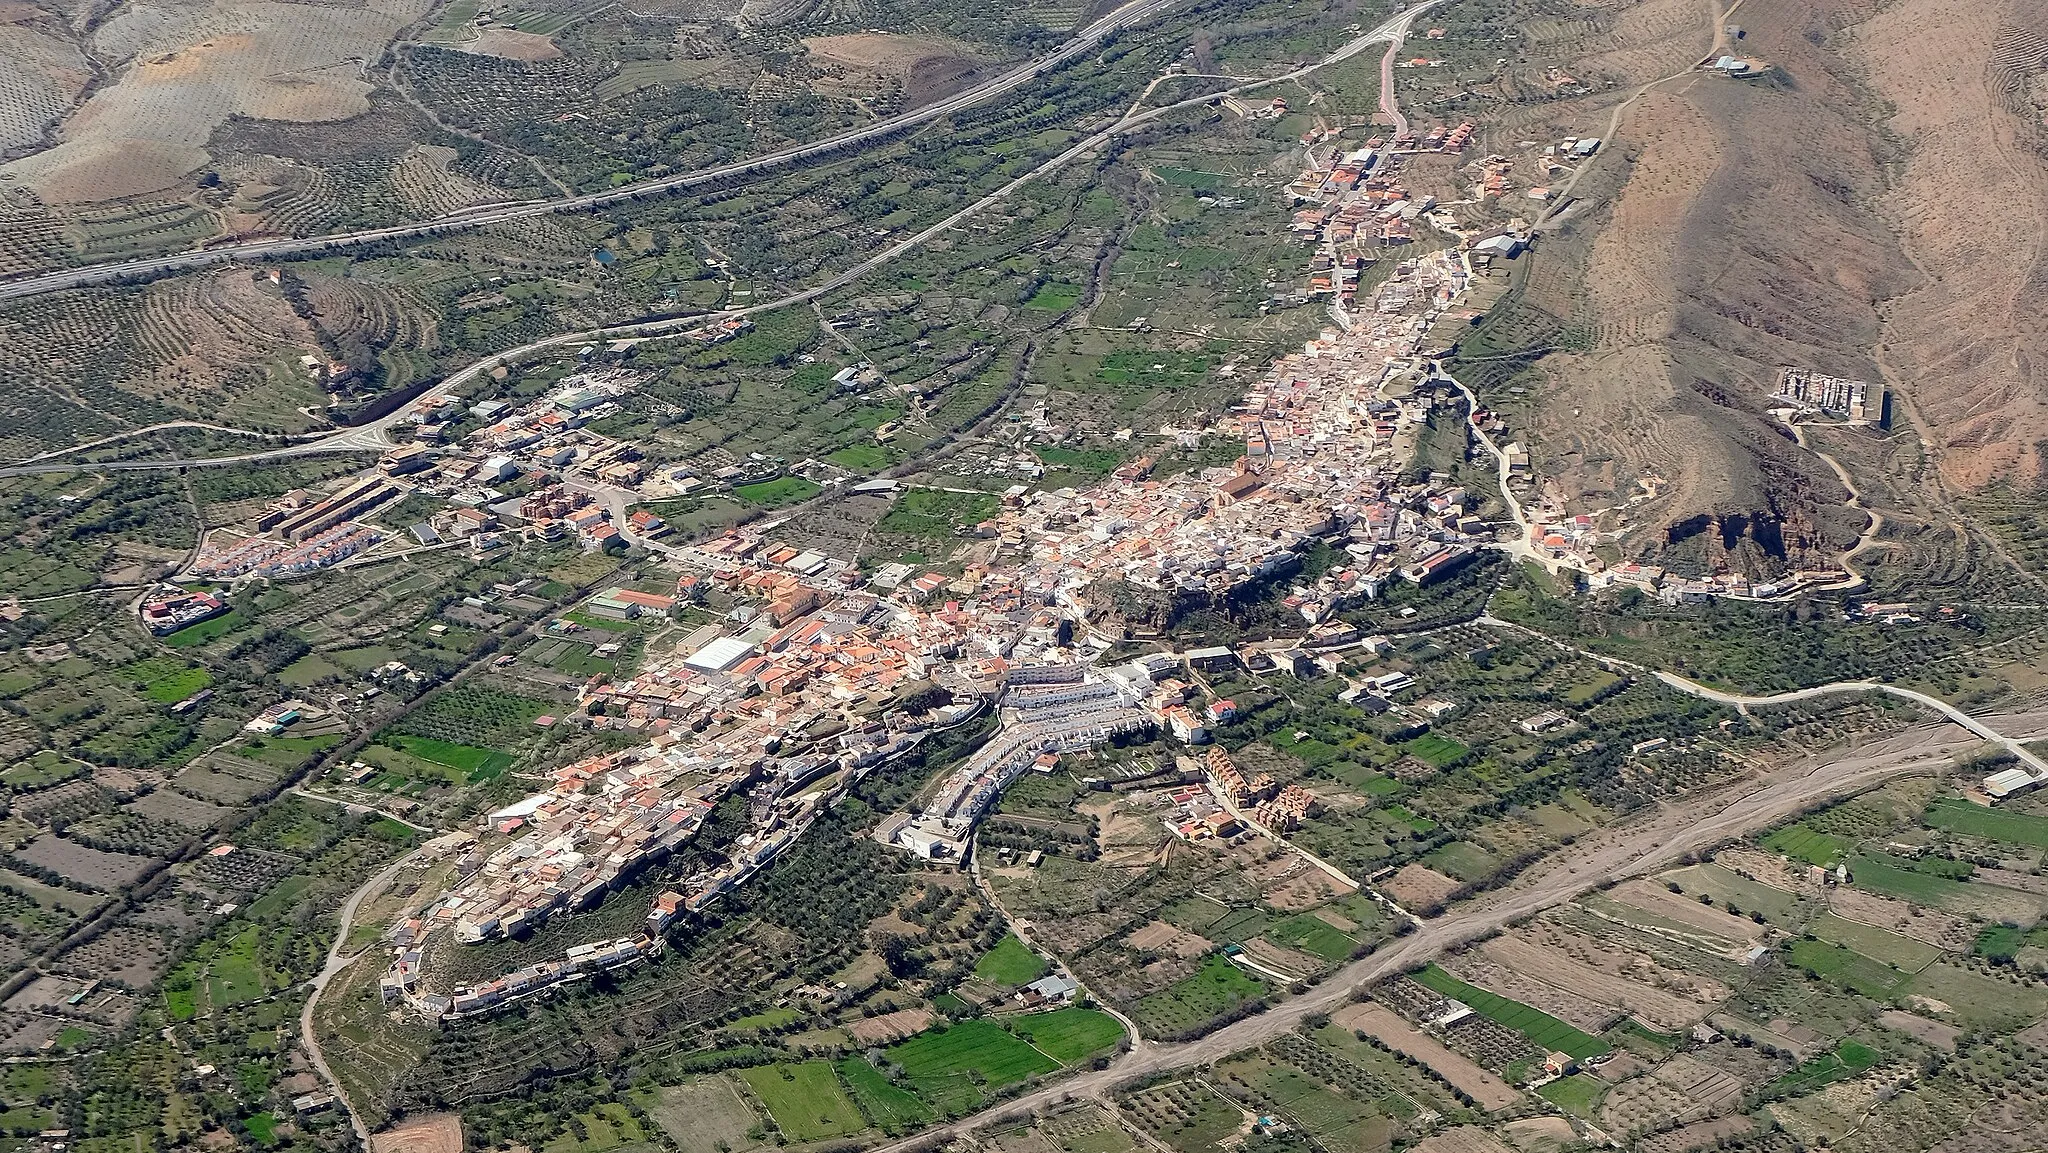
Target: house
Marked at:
1503, 247
1054, 987
1212, 659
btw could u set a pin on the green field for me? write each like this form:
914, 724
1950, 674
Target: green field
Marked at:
1540, 1027
1463, 860
770, 1019
1055, 297
1890, 877
781, 492
893, 1110
480, 764
1875, 943
1849, 969
860, 457
1848, 1060
936, 514
1803, 844
1069, 1035
1214, 989
1577, 1094
1085, 461
166, 680
805, 1100
1312, 934
204, 631
1436, 751
1991, 824
954, 1068
1011, 962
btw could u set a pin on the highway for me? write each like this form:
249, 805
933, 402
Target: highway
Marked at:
371, 437
1134, 12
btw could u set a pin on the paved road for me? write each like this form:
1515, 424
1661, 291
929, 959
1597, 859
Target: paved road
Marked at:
372, 437
1134, 12
2014, 745
1389, 105
1662, 840
337, 960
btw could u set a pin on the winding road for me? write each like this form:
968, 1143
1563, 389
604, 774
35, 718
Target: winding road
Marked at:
337, 960
1980, 728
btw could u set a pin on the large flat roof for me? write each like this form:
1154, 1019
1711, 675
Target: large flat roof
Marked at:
719, 655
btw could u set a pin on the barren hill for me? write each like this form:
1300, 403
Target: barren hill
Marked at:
1870, 203
1967, 83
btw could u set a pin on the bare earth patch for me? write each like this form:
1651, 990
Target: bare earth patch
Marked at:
192, 69
1713, 925
881, 52
1160, 937
891, 1026
432, 1133
1932, 1032
1540, 1134
1462, 1139
507, 44
1384, 1025
1699, 1135
1418, 888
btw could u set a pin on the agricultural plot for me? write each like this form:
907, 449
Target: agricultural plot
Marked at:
1436, 751
478, 764
1088, 1128
1383, 1025
1804, 844
605, 1127
937, 514
1977, 1000
1848, 969
1191, 1004
702, 1115
1922, 884
474, 715
2000, 825
226, 779
954, 1068
1069, 1035
167, 681
1577, 1094
1329, 1116
1010, 963
1312, 934
1541, 1028
805, 1101
888, 1106
781, 492
1877, 944
1187, 1116
92, 868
